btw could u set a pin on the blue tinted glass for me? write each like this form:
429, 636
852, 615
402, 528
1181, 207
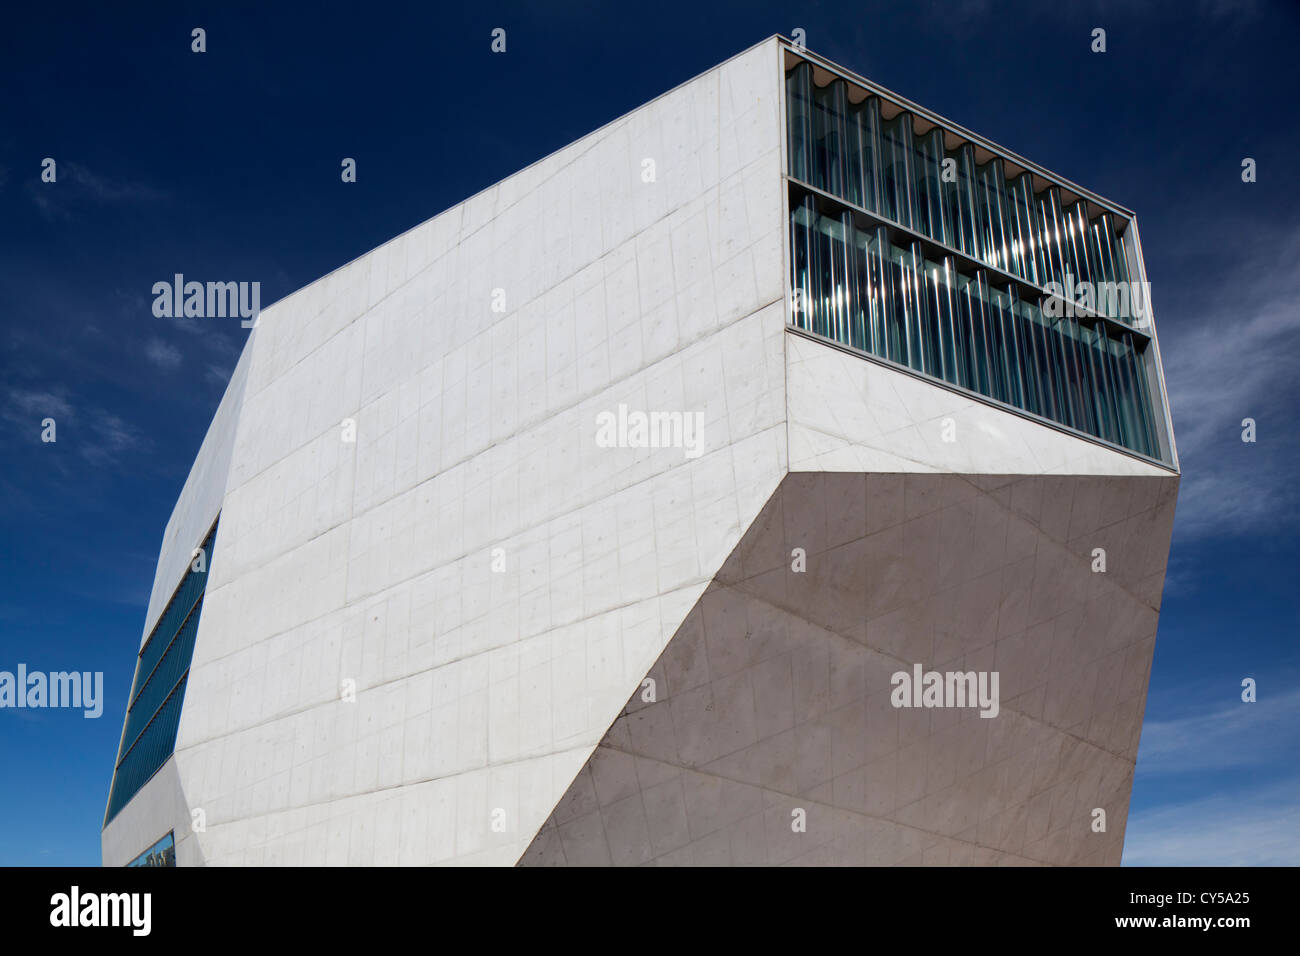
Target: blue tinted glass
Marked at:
799, 110
867, 279
863, 153
896, 169
162, 853
153, 715
829, 107
931, 218
926, 179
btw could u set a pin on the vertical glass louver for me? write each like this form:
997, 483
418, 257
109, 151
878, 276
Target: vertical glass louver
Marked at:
865, 277
931, 215
949, 319
162, 668
884, 160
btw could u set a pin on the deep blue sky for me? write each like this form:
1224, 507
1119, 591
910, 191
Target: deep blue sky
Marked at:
226, 166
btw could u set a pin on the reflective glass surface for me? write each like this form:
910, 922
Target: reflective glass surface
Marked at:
954, 320
162, 853
884, 160
152, 718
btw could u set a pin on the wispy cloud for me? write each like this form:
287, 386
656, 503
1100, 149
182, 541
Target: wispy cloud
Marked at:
29, 405
112, 437
166, 357
1237, 751
1236, 735
218, 374
1235, 357
108, 189
98, 435
1251, 829
76, 185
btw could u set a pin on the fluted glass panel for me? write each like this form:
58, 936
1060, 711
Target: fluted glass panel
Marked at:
1102, 249
990, 197
1078, 380
975, 305
928, 318
1076, 244
829, 108
943, 316
878, 275
1120, 371
1049, 338
1036, 366
941, 307
1022, 228
1141, 396
896, 169
860, 292
898, 304
825, 234
968, 315
1067, 376
843, 269
801, 250
1111, 273
913, 276
931, 218
799, 110
850, 151
1122, 271
960, 202
1049, 331
1051, 235
1104, 407
1004, 361
862, 145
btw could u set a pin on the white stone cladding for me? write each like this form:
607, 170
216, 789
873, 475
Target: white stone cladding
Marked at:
492, 583
849, 414
479, 692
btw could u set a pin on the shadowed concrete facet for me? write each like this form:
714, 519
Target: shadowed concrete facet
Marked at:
774, 695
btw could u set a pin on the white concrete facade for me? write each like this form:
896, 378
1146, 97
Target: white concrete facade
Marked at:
847, 414
432, 591
479, 695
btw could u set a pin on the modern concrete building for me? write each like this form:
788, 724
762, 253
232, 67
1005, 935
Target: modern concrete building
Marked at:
609, 516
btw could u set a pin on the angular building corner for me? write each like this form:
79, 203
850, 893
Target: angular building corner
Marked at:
414, 607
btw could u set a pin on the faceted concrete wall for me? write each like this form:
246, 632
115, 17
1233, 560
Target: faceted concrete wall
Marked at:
774, 695
369, 563
434, 596
847, 413
200, 498
160, 805
152, 812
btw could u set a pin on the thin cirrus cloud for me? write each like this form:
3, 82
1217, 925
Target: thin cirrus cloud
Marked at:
76, 186
161, 354
97, 435
1256, 822
1240, 734
1232, 359
1249, 829
27, 405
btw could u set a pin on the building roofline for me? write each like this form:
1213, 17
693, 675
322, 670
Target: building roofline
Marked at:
537, 162
912, 107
